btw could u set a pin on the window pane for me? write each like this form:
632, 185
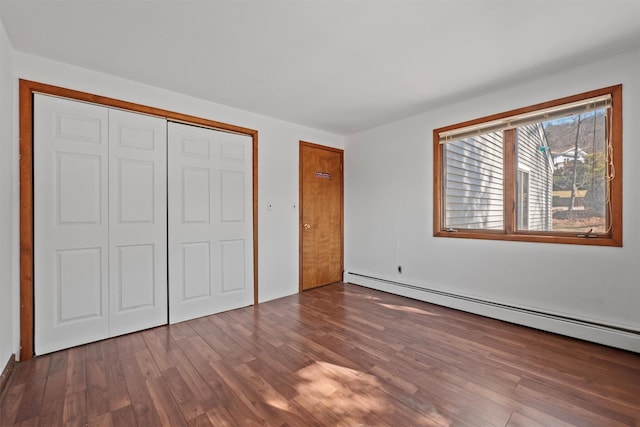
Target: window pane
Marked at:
567, 162
533, 156
523, 199
473, 183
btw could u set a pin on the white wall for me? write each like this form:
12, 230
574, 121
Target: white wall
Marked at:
7, 343
277, 159
389, 215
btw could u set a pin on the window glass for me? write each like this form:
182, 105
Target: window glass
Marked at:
523, 202
474, 182
578, 148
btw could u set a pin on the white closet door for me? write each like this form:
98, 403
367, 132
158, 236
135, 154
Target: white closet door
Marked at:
137, 222
70, 223
210, 221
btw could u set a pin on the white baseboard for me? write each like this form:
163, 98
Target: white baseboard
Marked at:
582, 329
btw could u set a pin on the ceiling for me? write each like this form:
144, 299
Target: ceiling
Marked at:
340, 66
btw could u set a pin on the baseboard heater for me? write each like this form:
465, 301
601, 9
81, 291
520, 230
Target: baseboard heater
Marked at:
611, 335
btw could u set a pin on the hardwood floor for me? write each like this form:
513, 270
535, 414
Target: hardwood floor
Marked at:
340, 355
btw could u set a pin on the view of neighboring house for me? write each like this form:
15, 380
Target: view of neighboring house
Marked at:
534, 179
560, 159
579, 152
475, 173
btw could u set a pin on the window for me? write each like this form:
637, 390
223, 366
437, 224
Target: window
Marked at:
548, 173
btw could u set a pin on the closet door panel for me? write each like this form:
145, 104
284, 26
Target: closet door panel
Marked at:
138, 222
234, 200
232, 253
210, 221
70, 223
195, 265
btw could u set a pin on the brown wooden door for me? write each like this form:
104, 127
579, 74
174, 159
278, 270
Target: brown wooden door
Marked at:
321, 215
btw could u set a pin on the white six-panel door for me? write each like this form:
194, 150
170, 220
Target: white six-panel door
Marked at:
71, 223
210, 221
100, 222
137, 221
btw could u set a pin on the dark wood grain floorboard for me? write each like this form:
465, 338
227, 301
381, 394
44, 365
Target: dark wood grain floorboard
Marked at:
340, 355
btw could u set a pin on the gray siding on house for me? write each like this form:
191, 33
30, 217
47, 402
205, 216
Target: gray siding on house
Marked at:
474, 177
473, 182
539, 164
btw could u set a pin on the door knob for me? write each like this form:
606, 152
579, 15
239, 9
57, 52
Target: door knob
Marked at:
307, 226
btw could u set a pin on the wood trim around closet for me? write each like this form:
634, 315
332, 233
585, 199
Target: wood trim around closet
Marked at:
26, 90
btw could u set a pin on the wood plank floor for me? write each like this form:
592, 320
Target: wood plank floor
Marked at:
340, 355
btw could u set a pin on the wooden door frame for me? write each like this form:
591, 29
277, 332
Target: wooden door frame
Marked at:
301, 199
26, 91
